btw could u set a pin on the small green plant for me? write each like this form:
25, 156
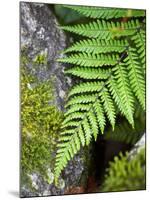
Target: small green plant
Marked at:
125, 174
40, 123
109, 64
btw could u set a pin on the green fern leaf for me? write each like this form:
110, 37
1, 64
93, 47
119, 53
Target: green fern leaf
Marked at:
109, 67
89, 73
96, 46
91, 60
140, 41
89, 98
104, 30
106, 13
136, 76
124, 90
100, 115
113, 88
76, 108
87, 131
86, 87
93, 123
73, 116
108, 106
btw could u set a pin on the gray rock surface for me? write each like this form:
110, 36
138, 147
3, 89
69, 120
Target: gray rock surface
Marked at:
137, 147
40, 35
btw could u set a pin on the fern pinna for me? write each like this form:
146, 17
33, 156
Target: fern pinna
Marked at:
109, 63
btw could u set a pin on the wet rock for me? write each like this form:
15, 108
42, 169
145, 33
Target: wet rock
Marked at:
41, 42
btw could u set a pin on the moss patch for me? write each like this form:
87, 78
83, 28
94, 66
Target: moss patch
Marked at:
40, 124
124, 174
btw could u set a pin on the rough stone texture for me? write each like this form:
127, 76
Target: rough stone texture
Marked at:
40, 35
137, 147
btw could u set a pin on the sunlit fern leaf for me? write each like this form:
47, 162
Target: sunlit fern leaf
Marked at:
106, 13
89, 73
89, 98
87, 130
96, 46
104, 29
93, 123
99, 112
140, 42
86, 87
136, 75
76, 108
124, 89
109, 68
90, 60
114, 90
108, 106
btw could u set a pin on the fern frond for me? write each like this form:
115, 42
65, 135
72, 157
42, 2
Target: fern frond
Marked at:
126, 95
113, 88
96, 46
73, 116
90, 60
99, 112
87, 131
86, 87
93, 123
76, 108
106, 13
108, 106
103, 29
89, 73
110, 77
140, 42
136, 76
89, 98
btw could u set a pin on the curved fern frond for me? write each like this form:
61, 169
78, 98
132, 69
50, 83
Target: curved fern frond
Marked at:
90, 60
96, 46
109, 67
104, 29
106, 13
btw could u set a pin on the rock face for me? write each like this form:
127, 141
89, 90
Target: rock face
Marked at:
41, 37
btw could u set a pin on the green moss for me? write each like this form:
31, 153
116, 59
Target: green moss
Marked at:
40, 123
41, 58
126, 174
